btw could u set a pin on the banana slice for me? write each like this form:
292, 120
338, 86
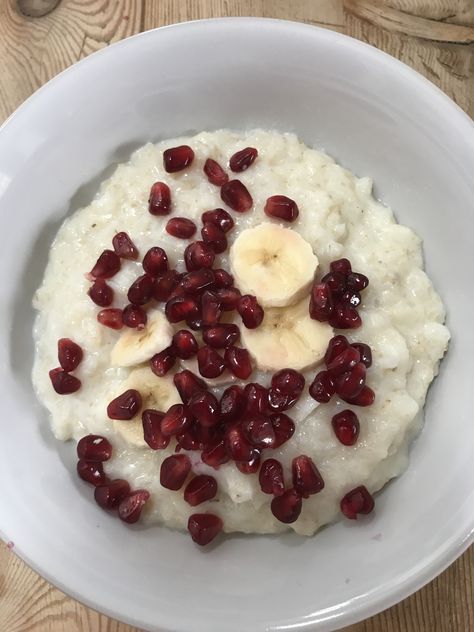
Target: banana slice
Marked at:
287, 338
157, 392
134, 346
273, 263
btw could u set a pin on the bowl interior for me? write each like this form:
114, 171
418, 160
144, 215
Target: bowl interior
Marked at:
376, 117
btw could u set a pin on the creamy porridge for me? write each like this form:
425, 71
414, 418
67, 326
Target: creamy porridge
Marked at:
295, 212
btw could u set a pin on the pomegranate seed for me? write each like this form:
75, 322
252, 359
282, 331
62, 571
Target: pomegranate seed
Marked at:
336, 283
357, 281
180, 308
177, 419
236, 195
242, 159
181, 227
222, 279
365, 353
125, 406
198, 255
323, 387
336, 345
188, 440
101, 293
214, 237
187, 384
271, 477
306, 477
92, 472
159, 202
94, 448
205, 408
344, 361
250, 311
69, 354
165, 284
196, 324
341, 266
288, 381
184, 344
237, 446
134, 316
278, 401
177, 158
350, 384
110, 317
287, 507
351, 298
124, 246
131, 506
251, 467
232, 403
106, 265
64, 383
204, 528
174, 471
256, 399
215, 173
281, 207
163, 361
345, 317
357, 501
199, 489
346, 427
155, 262
215, 455
141, 290
320, 304
284, 428
151, 422
197, 281
259, 431
365, 398
238, 362
220, 218
210, 308
110, 495
221, 336
229, 298
210, 363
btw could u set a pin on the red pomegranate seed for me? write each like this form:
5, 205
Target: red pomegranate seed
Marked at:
180, 308
256, 399
250, 311
176, 420
210, 309
281, 207
215, 455
131, 506
141, 290
159, 202
350, 384
288, 381
187, 384
106, 266
357, 281
165, 284
124, 246
346, 427
174, 471
210, 363
125, 406
251, 467
344, 361
163, 361
284, 428
204, 528
197, 281
232, 403
64, 383
221, 336
177, 158
213, 236
134, 316
365, 353
320, 304
336, 283
238, 362
92, 472
287, 507
306, 477
222, 279
341, 266
69, 354
242, 159
195, 324
351, 298
94, 448
271, 477
336, 345
181, 227
199, 489
101, 293
184, 344
259, 431
365, 398
155, 262
110, 495
357, 501
229, 298
188, 440
323, 387
220, 218
110, 317
345, 317
238, 447
215, 173
205, 408
236, 195
151, 422
198, 255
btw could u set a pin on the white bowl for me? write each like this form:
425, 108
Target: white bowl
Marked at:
375, 116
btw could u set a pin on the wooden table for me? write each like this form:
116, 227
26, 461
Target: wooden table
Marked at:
436, 37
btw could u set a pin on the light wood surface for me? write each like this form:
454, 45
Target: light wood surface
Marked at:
433, 36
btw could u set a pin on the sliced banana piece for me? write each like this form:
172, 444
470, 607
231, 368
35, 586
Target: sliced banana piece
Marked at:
273, 263
287, 338
136, 346
157, 392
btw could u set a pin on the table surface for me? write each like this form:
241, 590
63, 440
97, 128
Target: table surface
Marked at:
436, 37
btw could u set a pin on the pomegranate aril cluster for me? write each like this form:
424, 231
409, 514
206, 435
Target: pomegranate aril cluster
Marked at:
69, 356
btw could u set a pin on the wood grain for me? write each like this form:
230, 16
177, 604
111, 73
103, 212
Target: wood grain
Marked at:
433, 36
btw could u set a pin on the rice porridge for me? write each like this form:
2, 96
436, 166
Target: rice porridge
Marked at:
266, 367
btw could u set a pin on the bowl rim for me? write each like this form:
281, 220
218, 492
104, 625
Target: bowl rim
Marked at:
413, 579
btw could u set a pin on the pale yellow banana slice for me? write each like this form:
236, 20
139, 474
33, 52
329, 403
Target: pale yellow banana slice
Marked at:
157, 392
287, 338
136, 346
273, 263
